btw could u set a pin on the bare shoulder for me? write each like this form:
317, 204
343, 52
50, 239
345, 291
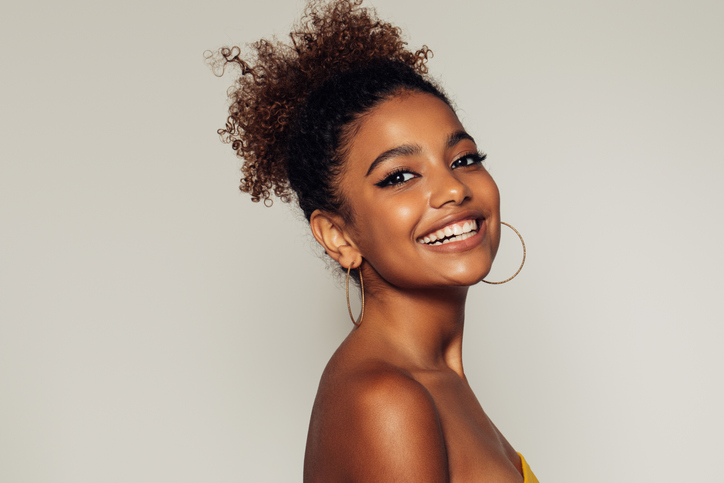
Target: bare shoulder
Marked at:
385, 394
375, 423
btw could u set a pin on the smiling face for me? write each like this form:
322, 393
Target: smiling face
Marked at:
425, 211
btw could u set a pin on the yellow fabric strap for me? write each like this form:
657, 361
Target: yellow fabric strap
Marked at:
528, 476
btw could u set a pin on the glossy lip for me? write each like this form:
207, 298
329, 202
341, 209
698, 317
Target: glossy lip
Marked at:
461, 244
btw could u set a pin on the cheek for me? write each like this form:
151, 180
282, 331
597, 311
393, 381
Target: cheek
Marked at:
495, 240
401, 215
493, 195
393, 222
487, 190
386, 232
491, 191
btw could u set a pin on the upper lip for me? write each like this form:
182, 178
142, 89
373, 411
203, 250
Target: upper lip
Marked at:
451, 219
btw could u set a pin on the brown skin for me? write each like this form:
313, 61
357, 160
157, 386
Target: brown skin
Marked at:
394, 403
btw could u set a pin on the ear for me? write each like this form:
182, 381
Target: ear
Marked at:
329, 231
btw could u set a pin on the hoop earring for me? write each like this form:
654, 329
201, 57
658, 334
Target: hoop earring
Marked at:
521, 263
362, 288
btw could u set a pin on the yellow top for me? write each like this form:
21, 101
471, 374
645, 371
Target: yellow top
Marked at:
528, 476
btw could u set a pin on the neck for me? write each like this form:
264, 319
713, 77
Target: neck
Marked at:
419, 328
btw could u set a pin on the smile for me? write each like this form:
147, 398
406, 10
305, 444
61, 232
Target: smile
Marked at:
458, 231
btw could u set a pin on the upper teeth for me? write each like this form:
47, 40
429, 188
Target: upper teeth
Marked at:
457, 231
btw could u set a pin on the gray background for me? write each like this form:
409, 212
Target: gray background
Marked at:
155, 325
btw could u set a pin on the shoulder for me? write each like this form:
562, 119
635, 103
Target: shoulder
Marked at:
397, 417
382, 390
382, 425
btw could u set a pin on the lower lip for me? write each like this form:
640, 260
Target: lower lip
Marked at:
462, 245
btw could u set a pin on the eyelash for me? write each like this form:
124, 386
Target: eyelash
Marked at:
476, 157
388, 180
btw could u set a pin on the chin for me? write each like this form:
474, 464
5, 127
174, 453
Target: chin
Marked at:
468, 276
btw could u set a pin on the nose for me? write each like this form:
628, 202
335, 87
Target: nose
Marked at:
447, 188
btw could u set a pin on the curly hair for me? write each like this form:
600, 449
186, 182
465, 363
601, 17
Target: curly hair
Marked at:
294, 107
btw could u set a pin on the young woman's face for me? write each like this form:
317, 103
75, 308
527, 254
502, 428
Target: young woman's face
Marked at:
414, 180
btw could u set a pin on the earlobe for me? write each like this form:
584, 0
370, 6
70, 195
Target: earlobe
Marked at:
328, 229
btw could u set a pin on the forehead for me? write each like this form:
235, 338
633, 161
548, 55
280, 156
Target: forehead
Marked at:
408, 118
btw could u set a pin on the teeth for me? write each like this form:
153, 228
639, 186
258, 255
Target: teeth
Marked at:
464, 236
451, 233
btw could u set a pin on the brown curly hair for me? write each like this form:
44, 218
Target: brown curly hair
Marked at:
293, 104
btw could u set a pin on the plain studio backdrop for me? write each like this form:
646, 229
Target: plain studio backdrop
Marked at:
156, 325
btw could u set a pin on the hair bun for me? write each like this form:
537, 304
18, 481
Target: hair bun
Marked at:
330, 38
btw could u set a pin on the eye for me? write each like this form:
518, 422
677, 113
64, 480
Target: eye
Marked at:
468, 160
395, 178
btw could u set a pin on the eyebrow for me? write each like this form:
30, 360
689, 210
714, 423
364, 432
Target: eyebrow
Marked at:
412, 149
404, 150
456, 137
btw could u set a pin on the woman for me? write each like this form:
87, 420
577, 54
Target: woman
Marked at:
344, 120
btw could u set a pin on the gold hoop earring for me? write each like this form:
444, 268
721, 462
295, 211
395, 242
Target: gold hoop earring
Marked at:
521, 263
362, 288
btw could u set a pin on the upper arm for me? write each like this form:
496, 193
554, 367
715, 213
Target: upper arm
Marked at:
393, 432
